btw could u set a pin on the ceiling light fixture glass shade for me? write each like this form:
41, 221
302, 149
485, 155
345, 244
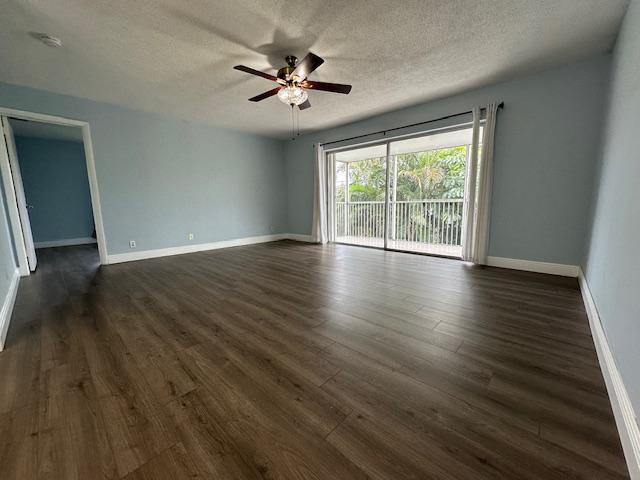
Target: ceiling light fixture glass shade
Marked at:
292, 95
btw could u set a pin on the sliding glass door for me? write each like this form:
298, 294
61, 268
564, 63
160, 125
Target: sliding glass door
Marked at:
360, 186
405, 194
427, 184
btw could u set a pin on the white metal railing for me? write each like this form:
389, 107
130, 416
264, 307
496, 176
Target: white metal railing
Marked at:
433, 221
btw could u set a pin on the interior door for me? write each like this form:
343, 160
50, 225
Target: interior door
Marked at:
20, 197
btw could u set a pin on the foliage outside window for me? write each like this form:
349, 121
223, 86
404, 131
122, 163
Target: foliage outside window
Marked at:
427, 175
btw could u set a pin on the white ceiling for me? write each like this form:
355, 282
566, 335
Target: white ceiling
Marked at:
48, 131
176, 56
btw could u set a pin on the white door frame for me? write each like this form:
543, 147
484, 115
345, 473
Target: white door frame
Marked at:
25, 221
12, 201
12, 205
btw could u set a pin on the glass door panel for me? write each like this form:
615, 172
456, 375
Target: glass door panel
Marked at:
427, 187
406, 195
360, 177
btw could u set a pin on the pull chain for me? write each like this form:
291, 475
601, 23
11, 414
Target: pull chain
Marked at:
295, 122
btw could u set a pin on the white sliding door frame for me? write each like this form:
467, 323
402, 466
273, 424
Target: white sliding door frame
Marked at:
387, 185
330, 160
8, 179
391, 178
331, 197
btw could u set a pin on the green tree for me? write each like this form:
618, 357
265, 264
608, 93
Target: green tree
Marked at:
427, 175
367, 180
434, 174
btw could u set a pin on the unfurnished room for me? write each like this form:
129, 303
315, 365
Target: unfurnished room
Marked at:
289, 239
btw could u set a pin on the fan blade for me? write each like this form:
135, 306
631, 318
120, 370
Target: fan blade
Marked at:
253, 71
327, 87
264, 95
304, 105
307, 65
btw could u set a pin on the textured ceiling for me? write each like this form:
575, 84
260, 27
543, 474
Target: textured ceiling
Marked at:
176, 56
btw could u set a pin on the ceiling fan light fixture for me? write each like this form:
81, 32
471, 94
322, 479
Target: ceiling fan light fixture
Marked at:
292, 95
293, 81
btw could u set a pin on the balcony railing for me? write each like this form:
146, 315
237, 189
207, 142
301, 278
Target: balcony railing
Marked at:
434, 222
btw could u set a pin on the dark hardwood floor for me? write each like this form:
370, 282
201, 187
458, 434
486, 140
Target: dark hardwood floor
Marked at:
289, 360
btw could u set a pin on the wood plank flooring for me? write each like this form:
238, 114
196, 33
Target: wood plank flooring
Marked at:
288, 360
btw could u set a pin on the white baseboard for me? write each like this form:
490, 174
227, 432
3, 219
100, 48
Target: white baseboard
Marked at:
200, 247
65, 242
298, 237
515, 264
532, 266
626, 419
7, 307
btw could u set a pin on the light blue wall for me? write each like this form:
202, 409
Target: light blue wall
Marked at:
612, 265
161, 178
54, 175
546, 147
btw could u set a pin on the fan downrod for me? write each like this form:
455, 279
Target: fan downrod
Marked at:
285, 72
291, 60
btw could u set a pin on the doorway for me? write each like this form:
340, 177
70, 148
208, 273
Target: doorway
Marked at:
406, 194
50, 186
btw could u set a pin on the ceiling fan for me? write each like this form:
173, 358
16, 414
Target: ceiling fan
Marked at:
293, 82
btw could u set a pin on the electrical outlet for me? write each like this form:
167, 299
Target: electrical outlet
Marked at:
191, 236
132, 244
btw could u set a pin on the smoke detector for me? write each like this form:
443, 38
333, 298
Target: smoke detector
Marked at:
48, 40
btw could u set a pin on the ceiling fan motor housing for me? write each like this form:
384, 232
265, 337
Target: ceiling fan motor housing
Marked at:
284, 73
